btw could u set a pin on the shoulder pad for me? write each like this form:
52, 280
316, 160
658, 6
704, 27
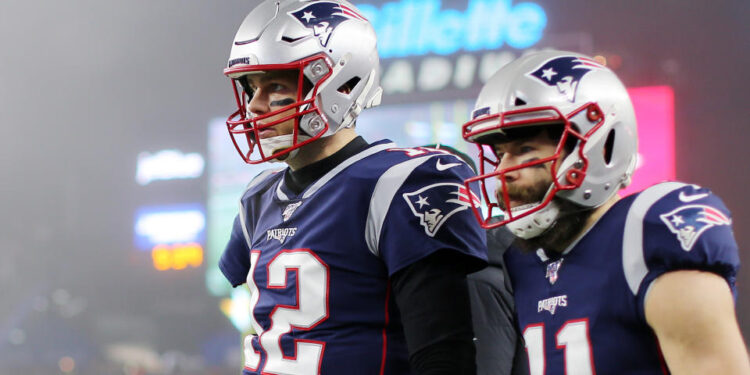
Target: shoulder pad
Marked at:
667, 228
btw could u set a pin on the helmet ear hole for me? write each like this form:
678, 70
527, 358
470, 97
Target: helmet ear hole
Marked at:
349, 85
609, 146
519, 102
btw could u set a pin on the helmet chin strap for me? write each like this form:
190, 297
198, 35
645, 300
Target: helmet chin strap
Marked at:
271, 145
534, 224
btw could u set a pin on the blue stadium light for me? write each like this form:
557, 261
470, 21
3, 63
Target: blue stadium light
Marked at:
168, 165
420, 27
169, 225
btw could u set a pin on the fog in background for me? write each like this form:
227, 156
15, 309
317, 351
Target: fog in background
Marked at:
86, 85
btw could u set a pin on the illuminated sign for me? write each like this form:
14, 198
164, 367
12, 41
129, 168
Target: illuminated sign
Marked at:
421, 27
436, 73
168, 165
654, 112
177, 256
169, 225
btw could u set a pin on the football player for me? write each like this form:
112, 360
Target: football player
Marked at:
355, 253
603, 285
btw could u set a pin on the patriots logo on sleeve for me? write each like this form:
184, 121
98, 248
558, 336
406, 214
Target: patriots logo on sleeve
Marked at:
565, 73
690, 221
323, 17
434, 204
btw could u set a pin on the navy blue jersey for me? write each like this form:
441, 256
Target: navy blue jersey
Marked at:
582, 311
318, 263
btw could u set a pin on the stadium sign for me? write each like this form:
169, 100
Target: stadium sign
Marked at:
422, 27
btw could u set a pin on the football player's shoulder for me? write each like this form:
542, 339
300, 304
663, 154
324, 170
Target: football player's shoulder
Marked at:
436, 164
419, 186
418, 162
263, 181
680, 226
679, 207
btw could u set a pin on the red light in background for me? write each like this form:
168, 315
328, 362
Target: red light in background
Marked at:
654, 111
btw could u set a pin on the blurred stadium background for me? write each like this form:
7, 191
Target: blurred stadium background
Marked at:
119, 180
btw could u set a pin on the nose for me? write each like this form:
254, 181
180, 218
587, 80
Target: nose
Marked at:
506, 162
258, 104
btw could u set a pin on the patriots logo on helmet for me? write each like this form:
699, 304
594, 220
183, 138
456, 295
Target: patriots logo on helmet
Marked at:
323, 17
565, 73
690, 221
434, 204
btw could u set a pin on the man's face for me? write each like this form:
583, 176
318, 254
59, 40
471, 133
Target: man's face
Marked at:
529, 184
272, 91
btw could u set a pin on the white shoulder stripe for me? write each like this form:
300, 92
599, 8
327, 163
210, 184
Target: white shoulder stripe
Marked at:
262, 177
633, 261
382, 197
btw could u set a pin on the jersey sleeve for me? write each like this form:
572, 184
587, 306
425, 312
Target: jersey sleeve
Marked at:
428, 209
235, 261
688, 228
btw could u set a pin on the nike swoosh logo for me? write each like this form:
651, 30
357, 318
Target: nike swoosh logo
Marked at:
441, 167
689, 198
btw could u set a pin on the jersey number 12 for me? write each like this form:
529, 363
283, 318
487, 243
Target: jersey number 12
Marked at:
311, 309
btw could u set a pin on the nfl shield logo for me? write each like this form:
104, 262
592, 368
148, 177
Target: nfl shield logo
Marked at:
552, 269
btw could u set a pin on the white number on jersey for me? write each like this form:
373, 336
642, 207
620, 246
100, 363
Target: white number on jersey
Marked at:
573, 337
311, 309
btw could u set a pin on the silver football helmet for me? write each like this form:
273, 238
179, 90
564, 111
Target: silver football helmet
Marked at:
330, 44
553, 88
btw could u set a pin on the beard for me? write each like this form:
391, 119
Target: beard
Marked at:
532, 194
562, 232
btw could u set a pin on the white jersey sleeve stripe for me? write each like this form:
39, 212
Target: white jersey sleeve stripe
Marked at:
382, 197
244, 226
633, 260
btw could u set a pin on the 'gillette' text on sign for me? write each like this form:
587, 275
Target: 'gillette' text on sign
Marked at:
419, 27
